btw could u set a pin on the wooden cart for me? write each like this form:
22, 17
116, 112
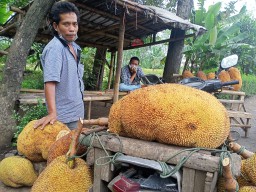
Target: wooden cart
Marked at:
200, 172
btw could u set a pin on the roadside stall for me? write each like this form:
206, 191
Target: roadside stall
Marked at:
117, 25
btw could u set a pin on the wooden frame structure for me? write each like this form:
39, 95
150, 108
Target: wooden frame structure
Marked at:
111, 24
236, 110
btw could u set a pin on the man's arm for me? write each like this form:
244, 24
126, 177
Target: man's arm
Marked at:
50, 99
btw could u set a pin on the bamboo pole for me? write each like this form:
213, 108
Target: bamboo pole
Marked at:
230, 183
100, 121
119, 58
111, 69
236, 148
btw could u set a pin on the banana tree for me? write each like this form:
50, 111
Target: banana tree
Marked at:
221, 38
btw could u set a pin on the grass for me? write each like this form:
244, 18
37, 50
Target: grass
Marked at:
248, 86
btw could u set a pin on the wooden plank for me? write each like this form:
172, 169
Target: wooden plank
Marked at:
230, 92
231, 101
211, 182
199, 181
239, 114
98, 184
157, 151
32, 90
188, 179
90, 157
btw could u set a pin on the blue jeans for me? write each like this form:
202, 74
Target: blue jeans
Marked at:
72, 125
124, 87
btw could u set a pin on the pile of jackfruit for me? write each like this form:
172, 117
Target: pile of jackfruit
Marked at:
230, 74
37, 145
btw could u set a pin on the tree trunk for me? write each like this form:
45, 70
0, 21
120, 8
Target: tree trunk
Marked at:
174, 54
15, 65
98, 69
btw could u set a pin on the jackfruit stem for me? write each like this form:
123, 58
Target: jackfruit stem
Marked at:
73, 146
237, 149
230, 183
102, 121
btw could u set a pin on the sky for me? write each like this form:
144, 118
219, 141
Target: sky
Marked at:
250, 4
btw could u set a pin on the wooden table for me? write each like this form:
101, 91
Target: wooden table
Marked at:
31, 96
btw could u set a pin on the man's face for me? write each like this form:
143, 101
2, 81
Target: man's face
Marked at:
67, 26
134, 64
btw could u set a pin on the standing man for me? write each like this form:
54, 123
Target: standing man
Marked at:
63, 72
131, 75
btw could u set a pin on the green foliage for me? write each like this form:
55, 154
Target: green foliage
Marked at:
223, 38
87, 58
29, 113
249, 82
33, 80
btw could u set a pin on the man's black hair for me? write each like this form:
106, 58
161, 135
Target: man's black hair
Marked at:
135, 58
60, 8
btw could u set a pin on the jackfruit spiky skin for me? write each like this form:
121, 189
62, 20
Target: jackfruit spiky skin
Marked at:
35, 143
211, 75
58, 177
235, 74
201, 75
173, 114
224, 76
247, 189
187, 74
61, 147
250, 168
243, 179
16, 171
221, 184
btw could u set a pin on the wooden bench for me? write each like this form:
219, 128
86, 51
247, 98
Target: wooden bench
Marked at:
234, 103
199, 173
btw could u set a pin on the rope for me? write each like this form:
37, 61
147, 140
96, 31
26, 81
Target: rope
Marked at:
167, 172
241, 150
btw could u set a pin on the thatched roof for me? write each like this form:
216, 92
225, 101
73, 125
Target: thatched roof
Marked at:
100, 21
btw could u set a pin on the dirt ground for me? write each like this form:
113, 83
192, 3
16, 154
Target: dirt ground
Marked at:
100, 109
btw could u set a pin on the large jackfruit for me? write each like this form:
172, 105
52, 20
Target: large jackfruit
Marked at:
224, 76
16, 171
250, 168
211, 75
187, 74
173, 114
35, 143
58, 177
247, 189
243, 179
201, 75
61, 147
235, 74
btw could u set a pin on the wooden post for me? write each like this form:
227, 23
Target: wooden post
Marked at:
113, 54
119, 57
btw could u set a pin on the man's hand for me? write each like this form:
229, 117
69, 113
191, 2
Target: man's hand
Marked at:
51, 118
133, 70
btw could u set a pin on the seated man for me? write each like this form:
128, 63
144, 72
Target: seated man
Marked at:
131, 75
